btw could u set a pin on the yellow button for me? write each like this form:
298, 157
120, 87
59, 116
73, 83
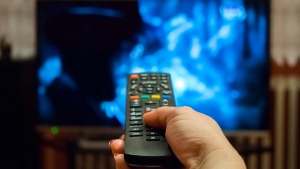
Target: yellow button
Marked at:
155, 96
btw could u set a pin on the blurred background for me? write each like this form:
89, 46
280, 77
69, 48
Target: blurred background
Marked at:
28, 140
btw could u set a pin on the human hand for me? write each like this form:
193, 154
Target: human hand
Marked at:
196, 140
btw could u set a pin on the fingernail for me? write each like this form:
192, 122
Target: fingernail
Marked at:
111, 142
115, 155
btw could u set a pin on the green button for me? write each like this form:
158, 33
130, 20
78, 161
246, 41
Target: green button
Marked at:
145, 96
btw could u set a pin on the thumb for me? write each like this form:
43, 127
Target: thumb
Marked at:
160, 117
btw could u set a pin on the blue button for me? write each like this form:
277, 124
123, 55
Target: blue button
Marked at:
166, 96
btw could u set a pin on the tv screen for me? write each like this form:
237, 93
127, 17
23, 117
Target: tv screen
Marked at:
215, 51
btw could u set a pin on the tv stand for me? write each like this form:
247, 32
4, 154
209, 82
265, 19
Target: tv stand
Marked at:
59, 151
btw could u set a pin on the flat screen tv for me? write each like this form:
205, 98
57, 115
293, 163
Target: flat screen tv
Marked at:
216, 52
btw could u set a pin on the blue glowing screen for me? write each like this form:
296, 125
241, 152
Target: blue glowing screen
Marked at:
215, 51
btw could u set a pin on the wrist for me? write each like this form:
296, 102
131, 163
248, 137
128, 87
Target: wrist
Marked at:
226, 158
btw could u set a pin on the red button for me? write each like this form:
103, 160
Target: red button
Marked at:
134, 97
134, 76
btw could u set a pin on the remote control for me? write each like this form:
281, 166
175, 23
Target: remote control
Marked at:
146, 147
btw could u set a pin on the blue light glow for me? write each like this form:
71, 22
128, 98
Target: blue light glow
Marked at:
200, 65
233, 10
50, 70
233, 13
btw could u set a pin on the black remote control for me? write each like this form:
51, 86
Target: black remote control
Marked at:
146, 147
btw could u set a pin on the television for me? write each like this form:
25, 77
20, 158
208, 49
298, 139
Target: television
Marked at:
217, 53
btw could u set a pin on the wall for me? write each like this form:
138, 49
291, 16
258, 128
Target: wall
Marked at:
285, 82
285, 23
17, 23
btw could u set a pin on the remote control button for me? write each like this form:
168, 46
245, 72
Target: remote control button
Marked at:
134, 134
158, 89
149, 83
144, 78
134, 97
133, 87
134, 76
135, 109
133, 93
136, 122
133, 118
164, 86
153, 138
155, 96
153, 74
136, 129
140, 89
144, 75
135, 103
153, 78
145, 96
152, 133
148, 109
165, 75
151, 102
164, 81
167, 92
133, 81
149, 92
149, 89
135, 126
165, 102
136, 114
166, 96
163, 78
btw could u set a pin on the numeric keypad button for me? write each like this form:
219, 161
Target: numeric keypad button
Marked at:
136, 129
153, 138
133, 118
152, 133
136, 122
135, 134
